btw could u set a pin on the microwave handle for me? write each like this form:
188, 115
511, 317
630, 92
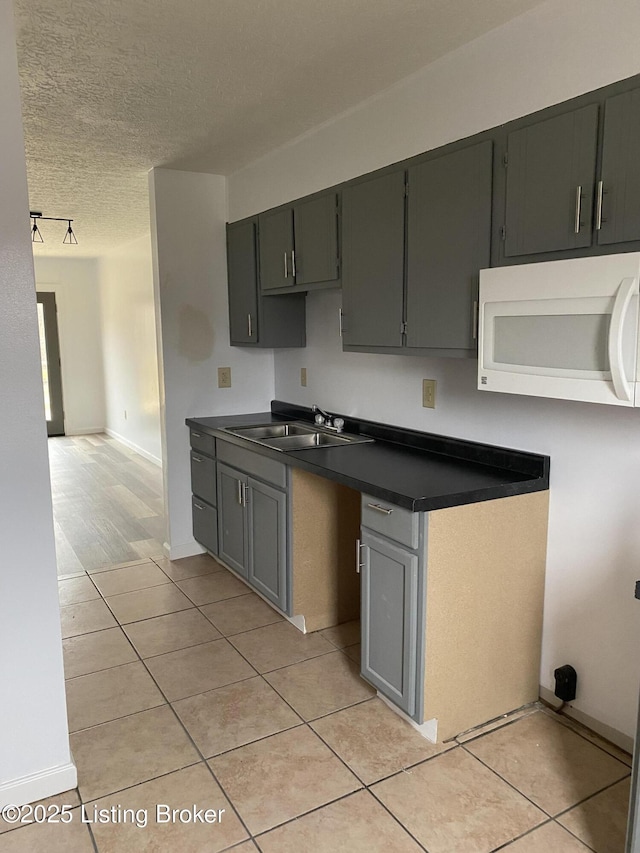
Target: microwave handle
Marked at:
628, 287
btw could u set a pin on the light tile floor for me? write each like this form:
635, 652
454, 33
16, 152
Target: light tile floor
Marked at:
185, 689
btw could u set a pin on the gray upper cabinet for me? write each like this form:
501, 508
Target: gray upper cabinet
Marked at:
299, 245
277, 258
316, 240
373, 261
389, 616
551, 166
618, 191
448, 242
243, 293
254, 320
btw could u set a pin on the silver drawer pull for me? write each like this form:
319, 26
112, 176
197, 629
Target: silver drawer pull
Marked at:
195, 434
198, 506
382, 509
599, 205
240, 492
197, 458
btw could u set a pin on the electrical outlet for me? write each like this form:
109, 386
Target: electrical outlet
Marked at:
303, 377
224, 377
429, 393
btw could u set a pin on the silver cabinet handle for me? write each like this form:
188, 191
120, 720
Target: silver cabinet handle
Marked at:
245, 494
382, 509
359, 547
293, 264
340, 317
576, 224
286, 270
195, 434
475, 320
239, 482
198, 506
197, 458
249, 326
599, 205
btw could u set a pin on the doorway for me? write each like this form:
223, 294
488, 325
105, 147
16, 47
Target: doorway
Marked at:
50, 361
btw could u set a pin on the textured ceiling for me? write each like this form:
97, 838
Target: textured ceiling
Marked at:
111, 88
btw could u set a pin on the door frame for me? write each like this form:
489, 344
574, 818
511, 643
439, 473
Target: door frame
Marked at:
47, 298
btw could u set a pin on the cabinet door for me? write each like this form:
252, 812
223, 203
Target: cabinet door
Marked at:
267, 541
243, 282
618, 194
448, 242
276, 246
389, 608
550, 182
373, 261
231, 519
315, 225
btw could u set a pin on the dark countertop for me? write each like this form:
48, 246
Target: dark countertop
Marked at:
416, 470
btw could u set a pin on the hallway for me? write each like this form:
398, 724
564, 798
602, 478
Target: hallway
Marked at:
107, 503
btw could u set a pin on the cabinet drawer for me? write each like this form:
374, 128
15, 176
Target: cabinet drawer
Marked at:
391, 521
203, 442
205, 525
253, 463
203, 477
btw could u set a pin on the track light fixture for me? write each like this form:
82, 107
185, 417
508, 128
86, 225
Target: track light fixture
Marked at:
36, 237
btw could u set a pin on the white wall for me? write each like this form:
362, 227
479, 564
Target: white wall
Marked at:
34, 745
129, 347
75, 283
188, 215
558, 50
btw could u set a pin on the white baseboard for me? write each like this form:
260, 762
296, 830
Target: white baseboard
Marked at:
133, 446
428, 729
37, 786
188, 549
607, 732
84, 430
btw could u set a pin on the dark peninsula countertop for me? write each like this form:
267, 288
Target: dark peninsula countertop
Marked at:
416, 470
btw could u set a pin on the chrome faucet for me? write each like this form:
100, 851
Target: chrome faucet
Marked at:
326, 420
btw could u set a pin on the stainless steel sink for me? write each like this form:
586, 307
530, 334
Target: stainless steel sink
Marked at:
295, 436
271, 430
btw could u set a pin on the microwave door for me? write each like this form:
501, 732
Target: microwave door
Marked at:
571, 347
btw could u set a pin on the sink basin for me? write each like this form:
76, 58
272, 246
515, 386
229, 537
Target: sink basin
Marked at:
271, 430
295, 436
311, 439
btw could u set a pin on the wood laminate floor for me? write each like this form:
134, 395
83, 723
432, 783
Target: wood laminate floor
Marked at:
107, 503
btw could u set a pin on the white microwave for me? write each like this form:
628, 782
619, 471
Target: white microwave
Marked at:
564, 329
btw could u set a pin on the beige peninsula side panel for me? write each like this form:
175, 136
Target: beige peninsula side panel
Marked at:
485, 588
326, 525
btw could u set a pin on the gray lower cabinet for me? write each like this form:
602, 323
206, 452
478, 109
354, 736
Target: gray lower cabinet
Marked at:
252, 532
266, 519
205, 524
232, 540
551, 168
204, 489
254, 320
389, 619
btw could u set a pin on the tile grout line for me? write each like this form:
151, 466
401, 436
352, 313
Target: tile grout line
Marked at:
202, 760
